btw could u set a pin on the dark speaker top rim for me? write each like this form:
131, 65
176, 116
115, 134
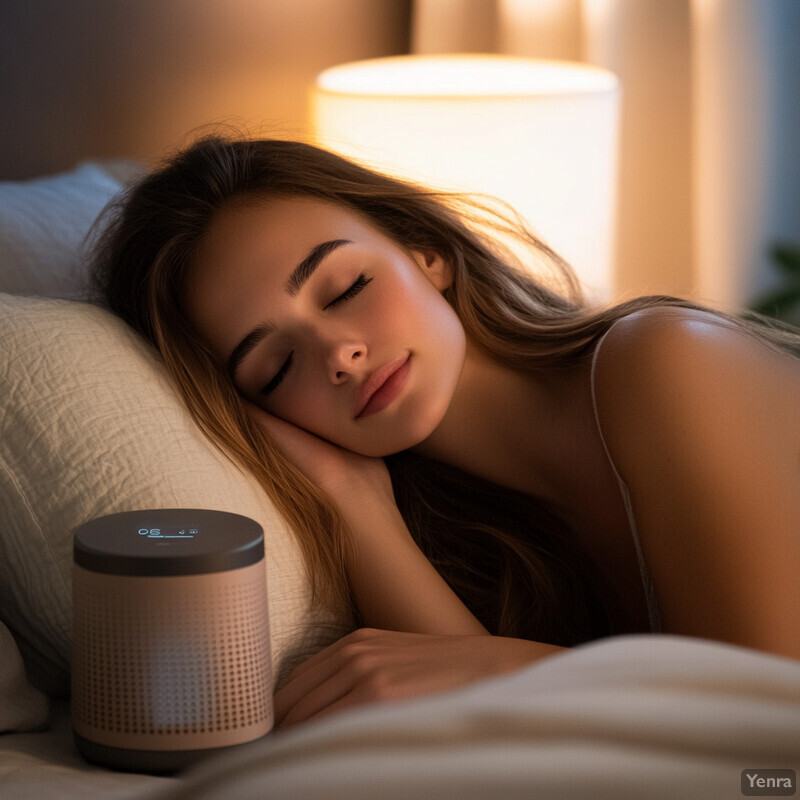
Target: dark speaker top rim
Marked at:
168, 541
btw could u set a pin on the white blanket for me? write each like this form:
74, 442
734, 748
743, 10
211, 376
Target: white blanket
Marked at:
653, 716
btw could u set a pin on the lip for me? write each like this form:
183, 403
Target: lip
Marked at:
382, 387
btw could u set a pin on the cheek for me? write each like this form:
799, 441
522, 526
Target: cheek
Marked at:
387, 312
410, 306
305, 406
299, 399
440, 326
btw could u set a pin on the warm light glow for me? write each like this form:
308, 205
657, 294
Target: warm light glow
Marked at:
473, 76
540, 135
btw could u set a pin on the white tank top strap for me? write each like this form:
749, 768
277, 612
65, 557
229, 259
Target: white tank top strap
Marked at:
647, 582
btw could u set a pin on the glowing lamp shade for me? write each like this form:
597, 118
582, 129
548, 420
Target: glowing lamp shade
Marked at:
540, 135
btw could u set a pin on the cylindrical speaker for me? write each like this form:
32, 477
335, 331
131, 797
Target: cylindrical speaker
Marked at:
171, 654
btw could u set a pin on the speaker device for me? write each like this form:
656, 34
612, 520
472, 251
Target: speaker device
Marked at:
171, 654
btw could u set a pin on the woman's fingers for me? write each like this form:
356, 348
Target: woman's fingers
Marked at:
333, 468
321, 680
286, 435
326, 654
310, 695
374, 665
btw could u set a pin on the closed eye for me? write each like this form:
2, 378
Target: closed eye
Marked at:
275, 382
360, 282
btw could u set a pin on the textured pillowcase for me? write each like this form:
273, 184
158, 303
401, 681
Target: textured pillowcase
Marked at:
22, 708
43, 225
90, 425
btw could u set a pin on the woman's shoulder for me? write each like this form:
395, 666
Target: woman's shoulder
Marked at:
700, 421
674, 344
686, 366
671, 332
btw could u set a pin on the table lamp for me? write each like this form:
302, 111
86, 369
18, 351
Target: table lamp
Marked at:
539, 135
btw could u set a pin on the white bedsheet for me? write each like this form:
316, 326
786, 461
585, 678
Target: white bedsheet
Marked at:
651, 716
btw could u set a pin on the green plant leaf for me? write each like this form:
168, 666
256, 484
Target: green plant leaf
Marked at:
778, 303
787, 258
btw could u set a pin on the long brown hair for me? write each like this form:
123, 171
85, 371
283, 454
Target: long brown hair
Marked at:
512, 561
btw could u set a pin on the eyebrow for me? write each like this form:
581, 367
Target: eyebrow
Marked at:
305, 269
300, 275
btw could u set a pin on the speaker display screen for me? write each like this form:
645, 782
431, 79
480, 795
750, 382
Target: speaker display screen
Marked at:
168, 533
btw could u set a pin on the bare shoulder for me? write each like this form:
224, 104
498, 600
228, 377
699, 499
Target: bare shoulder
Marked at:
701, 421
663, 356
676, 333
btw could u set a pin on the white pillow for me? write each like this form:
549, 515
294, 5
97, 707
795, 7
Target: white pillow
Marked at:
43, 225
90, 425
22, 708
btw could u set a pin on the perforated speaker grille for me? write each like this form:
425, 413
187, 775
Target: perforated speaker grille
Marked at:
171, 663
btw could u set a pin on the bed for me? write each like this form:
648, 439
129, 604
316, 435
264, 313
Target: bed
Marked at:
90, 425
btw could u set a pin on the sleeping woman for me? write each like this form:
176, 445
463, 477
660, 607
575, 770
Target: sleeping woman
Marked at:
486, 469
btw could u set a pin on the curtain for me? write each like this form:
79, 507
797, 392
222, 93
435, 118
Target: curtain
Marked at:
709, 161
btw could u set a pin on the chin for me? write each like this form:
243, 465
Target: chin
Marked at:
399, 436
385, 448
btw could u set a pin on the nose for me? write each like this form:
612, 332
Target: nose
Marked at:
344, 359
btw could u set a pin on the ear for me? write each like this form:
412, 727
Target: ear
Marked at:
436, 268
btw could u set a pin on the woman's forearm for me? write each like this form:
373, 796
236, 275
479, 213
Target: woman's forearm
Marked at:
394, 585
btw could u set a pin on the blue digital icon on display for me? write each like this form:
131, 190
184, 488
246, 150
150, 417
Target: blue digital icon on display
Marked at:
157, 533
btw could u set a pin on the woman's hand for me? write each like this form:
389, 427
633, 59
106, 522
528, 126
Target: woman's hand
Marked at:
393, 583
341, 474
370, 666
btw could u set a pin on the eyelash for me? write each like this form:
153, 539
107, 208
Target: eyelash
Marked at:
275, 382
360, 282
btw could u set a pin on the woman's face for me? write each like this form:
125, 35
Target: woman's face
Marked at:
327, 323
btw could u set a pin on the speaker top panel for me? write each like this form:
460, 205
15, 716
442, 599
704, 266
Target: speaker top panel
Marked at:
168, 541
